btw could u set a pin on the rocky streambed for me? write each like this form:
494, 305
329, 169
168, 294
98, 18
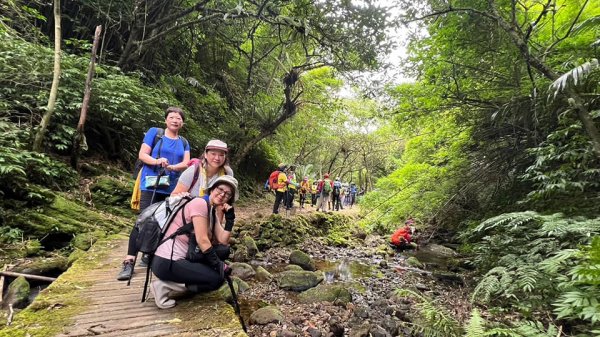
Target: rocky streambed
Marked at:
313, 288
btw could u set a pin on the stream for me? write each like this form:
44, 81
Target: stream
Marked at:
371, 278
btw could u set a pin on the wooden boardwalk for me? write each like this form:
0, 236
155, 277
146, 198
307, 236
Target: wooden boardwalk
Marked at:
111, 308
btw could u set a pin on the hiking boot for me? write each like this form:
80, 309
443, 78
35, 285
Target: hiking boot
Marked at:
127, 270
144, 261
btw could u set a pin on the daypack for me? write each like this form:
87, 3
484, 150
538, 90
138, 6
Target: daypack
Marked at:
337, 186
326, 186
160, 132
273, 180
153, 223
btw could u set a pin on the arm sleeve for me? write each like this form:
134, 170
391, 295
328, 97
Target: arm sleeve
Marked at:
149, 137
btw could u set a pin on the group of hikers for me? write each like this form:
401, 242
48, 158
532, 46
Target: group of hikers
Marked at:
325, 194
207, 182
194, 260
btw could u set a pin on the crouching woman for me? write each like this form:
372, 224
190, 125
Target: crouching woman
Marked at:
176, 266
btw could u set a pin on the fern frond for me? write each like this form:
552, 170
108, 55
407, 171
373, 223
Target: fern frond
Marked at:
476, 325
432, 320
573, 77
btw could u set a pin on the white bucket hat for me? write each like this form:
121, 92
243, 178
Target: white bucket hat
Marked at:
229, 180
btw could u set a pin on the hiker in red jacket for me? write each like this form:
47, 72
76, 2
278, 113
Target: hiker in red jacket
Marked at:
401, 239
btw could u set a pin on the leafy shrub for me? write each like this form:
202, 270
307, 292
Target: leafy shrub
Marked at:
533, 263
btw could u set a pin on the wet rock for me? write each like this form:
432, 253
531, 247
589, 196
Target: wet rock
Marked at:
361, 331
383, 264
302, 259
266, 315
378, 331
17, 293
43, 266
448, 277
422, 287
438, 251
263, 275
361, 312
287, 333
313, 332
250, 245
390, 325
298, 280
242, 270
327, 292
293, 267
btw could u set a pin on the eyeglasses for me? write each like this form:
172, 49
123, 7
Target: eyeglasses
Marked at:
225, 193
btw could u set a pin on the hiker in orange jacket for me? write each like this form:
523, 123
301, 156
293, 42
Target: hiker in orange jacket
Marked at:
401, 239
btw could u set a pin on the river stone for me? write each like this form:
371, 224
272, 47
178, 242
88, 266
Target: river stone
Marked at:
438, 251
263, 275
326, 292
336, 327
293, 267
241, 254
250, 246
242, 270
266, 315
297, 280
361, 331
378, 331
448, 277
302, 259
17, 293
414, 262
238, 285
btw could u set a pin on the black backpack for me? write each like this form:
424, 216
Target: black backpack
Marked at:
160, 132
153, 223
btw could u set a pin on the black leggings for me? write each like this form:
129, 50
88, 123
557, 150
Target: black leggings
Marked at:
145, 201
197, 276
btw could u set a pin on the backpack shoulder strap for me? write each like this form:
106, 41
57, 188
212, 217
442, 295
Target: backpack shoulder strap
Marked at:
185, 142
196, 175
160, 132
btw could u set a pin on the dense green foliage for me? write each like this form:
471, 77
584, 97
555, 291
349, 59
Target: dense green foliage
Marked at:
496, 140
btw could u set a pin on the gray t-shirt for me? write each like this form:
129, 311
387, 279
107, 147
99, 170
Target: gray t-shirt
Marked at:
201, 186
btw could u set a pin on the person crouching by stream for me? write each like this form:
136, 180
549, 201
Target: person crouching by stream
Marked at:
180, 265
402, 239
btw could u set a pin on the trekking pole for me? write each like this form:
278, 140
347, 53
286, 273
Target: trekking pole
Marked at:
236, 305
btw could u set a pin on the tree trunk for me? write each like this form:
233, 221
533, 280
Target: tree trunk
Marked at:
39, 136
79, 135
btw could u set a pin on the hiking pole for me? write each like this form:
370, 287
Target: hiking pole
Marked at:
236, 305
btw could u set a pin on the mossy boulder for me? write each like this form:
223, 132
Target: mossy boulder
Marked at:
250, 245
302, 259
74, 256
263, 275
293, 267
266, 315
238, 285
84, 241
112, 193
32, 247
63, 219
43, 266
298, 280
337, 293
17, 293
242, 270
241, 254
414, 262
